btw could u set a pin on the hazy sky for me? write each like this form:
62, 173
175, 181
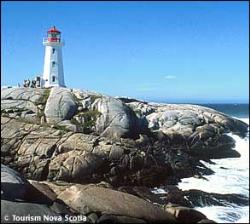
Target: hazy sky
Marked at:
170, 51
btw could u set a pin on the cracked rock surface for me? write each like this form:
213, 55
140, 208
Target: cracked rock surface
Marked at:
80, 138
113, 139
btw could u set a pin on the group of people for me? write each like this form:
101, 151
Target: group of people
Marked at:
33, 83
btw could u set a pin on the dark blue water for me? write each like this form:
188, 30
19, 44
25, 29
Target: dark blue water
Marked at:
236, 110
240, 110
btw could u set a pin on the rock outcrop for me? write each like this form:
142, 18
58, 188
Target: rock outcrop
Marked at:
81, 136
114, 118
74, 137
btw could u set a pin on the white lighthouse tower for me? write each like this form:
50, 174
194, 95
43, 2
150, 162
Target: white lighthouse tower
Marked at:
53, 63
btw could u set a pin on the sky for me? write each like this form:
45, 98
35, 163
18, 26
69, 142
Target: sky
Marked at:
159, 51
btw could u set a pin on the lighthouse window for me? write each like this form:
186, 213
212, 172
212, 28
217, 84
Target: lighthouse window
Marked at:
53, 63
53, 50
53, 78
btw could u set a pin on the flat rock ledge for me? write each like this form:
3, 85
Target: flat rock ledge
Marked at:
95, 203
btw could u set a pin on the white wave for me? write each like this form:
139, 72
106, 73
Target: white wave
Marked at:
223, 214
245, 215
231, 174
158, 191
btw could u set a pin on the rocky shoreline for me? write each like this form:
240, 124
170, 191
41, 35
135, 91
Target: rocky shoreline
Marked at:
81, 148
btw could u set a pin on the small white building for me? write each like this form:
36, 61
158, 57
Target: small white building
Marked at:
53, 62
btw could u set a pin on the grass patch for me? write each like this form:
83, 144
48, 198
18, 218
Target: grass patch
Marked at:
94, 97
79, 101
89, 117
42, 100
40, 114
62, 129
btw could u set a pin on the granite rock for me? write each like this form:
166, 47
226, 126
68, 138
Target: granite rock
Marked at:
60, 105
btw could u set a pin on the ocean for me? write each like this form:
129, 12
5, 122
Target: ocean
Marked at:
233, 178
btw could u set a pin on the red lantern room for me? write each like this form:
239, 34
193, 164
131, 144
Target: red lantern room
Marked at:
54, 35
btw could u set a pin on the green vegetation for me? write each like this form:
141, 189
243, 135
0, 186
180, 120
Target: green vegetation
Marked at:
89, 118
40, 114
94, 97
79, 101
62, 129
44, 97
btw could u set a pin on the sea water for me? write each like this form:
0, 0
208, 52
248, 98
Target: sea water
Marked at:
231, 176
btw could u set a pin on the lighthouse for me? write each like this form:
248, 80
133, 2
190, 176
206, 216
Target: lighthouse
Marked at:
53, 62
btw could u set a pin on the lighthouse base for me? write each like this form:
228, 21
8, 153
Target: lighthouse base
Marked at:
46, 84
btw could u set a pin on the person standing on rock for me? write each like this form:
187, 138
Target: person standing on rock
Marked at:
24, 82
28, 83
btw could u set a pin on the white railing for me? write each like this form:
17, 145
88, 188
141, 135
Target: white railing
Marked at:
45, 41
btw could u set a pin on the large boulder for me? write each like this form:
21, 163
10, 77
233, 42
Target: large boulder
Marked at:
97, 199
60, 105
184, 214
116, 120
13, 185
22, 201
